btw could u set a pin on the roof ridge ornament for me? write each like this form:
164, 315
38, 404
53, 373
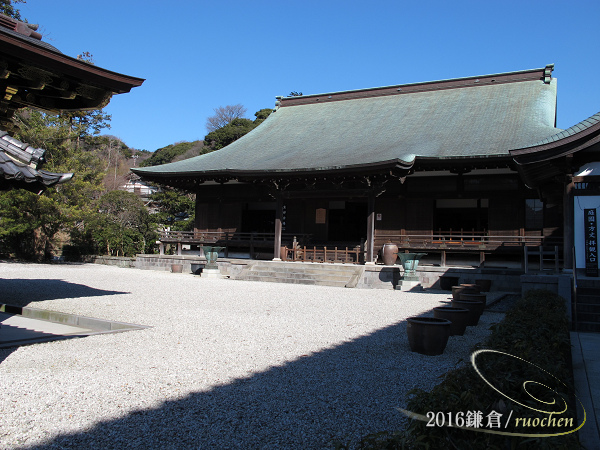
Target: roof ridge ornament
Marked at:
548, 73
24, 28
20, 151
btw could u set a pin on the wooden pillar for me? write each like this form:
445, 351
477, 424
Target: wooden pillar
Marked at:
370, 258
568, 225
278, 228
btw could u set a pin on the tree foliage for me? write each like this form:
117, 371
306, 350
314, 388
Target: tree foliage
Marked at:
172, 152
7, 7
224, 115
234, 130
36, 227
175, 209
123, 225
229, 133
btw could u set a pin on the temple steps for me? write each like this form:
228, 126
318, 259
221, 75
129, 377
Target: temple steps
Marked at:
303, 273
588, 306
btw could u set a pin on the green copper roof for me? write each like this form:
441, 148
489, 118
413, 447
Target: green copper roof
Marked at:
571, 131
450, 119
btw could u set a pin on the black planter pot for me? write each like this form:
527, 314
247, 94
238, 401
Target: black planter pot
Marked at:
474, 298
486, 285
428, 335
475, 310
458, 317
464, 289
446, 282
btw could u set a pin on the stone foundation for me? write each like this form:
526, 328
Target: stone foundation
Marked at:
373, 276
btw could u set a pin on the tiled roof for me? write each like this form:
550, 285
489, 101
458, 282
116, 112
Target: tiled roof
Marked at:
31, 40
462, 118
571, 131
18, 167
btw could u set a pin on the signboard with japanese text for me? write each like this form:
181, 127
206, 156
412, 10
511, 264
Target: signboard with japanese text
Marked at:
591, 242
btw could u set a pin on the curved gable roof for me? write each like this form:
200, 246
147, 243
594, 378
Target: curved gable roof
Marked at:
387, 127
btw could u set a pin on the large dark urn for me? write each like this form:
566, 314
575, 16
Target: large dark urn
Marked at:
458, 317
389, 253
428, 335
475, 310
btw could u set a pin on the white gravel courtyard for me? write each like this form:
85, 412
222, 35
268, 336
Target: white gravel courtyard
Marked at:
226, 364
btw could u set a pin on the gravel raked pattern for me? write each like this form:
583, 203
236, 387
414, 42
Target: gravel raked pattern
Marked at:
226, 364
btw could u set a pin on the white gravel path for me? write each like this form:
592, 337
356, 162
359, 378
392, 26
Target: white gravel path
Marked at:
226, 364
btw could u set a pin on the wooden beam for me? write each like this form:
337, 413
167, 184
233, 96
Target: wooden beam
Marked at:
370, 259
278, 227
568, 226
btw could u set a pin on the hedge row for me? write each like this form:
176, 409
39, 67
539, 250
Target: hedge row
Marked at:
535, 332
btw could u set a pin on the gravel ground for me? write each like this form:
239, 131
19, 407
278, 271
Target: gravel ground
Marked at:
226, 364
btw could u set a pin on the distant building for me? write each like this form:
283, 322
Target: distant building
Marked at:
140, 188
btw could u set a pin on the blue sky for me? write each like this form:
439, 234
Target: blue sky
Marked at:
197, 55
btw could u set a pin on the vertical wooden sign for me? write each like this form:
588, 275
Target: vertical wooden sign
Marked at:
591, 243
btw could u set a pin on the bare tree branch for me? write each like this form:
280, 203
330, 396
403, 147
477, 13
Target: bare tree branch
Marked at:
223, 115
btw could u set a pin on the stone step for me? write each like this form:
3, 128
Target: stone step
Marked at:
588, 284
409, 286
582, 290
280, 279
588, 307
591, 299
305, 268
301, 275
588, 327
583, 316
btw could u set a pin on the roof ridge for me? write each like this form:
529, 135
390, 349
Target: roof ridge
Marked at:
544, 74
24, 28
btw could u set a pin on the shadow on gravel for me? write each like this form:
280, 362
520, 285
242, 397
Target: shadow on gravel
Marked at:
353, 388
22, 292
